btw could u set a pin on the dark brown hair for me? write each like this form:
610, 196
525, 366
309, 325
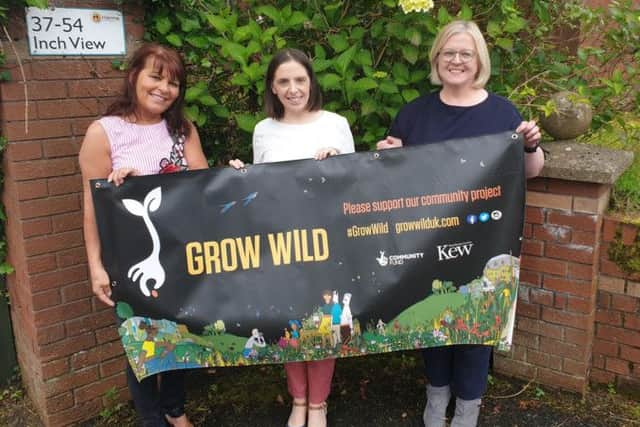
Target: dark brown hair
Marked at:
272, 105
164, 59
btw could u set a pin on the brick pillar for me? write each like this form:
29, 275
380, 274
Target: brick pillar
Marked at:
66, 343
560, 259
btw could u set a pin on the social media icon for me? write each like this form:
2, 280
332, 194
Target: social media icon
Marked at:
496, 215
484, 217
472, 219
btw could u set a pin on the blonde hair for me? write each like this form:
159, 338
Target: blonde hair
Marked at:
462, 27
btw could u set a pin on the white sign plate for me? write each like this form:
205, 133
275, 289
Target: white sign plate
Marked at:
67, 31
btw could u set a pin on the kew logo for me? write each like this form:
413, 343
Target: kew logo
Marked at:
454, 250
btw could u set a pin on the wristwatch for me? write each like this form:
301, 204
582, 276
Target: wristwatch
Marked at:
533, 149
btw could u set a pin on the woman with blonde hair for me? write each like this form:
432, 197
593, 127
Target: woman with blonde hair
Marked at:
463, 108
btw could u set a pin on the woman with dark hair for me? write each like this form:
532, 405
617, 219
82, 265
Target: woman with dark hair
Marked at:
144, 132
298, 128
463, 108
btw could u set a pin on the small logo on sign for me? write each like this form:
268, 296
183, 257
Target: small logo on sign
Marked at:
400, 259
454, 250
96, 17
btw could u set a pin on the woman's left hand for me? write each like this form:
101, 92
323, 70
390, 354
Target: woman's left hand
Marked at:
323, 153
531, 133
117, 176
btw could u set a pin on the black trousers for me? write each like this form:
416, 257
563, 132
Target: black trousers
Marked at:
156, 396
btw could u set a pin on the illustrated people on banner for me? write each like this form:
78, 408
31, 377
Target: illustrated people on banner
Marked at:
143, 132
462, 108
346, 320
336, 313
298, 128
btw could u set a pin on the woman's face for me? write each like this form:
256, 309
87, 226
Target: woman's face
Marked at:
457, 62
155, 91
291, 84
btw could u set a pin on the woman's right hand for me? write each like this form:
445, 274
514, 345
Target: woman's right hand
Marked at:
236, 163
117, 176
389, 142
100, 285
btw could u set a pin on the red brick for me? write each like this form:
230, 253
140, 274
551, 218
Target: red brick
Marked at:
574, 188
606, 348
524, 339
578, 336
38, 129
107, 334
43, 168
63, 69
75, 292
46, 299
71, 381
14, 91
609, 317
573, 367
576, 253
58, 278
563, 349
55, 368
580, 271
604, 300
553, 378
584, 238
540, 296
539, 327
64, 184
59, 402
40, 245
579, 305
575, 221
71, 257
575, 320
36, 227
609, 229
20, 151
601, 376
573, 287
530, 277
113, 366
62, 108
632, 321
527, 231
76, 413
560, 300
534, 215
620, 335
95, 355
532, 247
624, 303
62, 312
96, 88
98, 389
611, 269
513, 367
544, 359
90, 322
528, 310
80, 126
50, 206
12, 111
548, 200
551, 233
629, 233
67, 222
544, 265
629, 353
50, 334
27, 190
41, 264
67, 347
65, 147
618, 366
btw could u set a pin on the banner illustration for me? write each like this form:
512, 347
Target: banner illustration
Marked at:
353, 255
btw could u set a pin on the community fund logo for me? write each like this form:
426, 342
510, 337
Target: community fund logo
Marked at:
454, 250
149, 271
385, 260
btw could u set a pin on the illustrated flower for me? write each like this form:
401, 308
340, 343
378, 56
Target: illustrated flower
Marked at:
416, 5
219, 326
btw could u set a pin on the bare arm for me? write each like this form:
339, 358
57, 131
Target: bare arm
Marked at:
533, 162
193, 151
95, 162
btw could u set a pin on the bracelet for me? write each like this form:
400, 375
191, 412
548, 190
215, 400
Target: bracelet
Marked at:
533, 149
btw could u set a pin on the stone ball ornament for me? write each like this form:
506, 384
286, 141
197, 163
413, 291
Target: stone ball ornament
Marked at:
571, 118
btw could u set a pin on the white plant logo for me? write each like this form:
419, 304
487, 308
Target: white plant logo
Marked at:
382, 259
149, 269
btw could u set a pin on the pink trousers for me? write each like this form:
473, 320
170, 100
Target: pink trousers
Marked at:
310, 380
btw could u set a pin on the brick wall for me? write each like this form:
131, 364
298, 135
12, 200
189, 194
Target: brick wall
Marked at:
557, 297
66, 343
616, 349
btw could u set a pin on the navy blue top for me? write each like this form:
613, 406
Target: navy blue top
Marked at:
427, 119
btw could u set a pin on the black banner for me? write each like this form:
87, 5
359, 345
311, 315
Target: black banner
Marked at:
356, 254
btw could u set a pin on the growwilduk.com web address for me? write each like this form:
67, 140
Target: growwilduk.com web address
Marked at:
427, 224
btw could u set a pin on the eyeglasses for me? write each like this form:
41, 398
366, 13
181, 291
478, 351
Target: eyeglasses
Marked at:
464, 56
